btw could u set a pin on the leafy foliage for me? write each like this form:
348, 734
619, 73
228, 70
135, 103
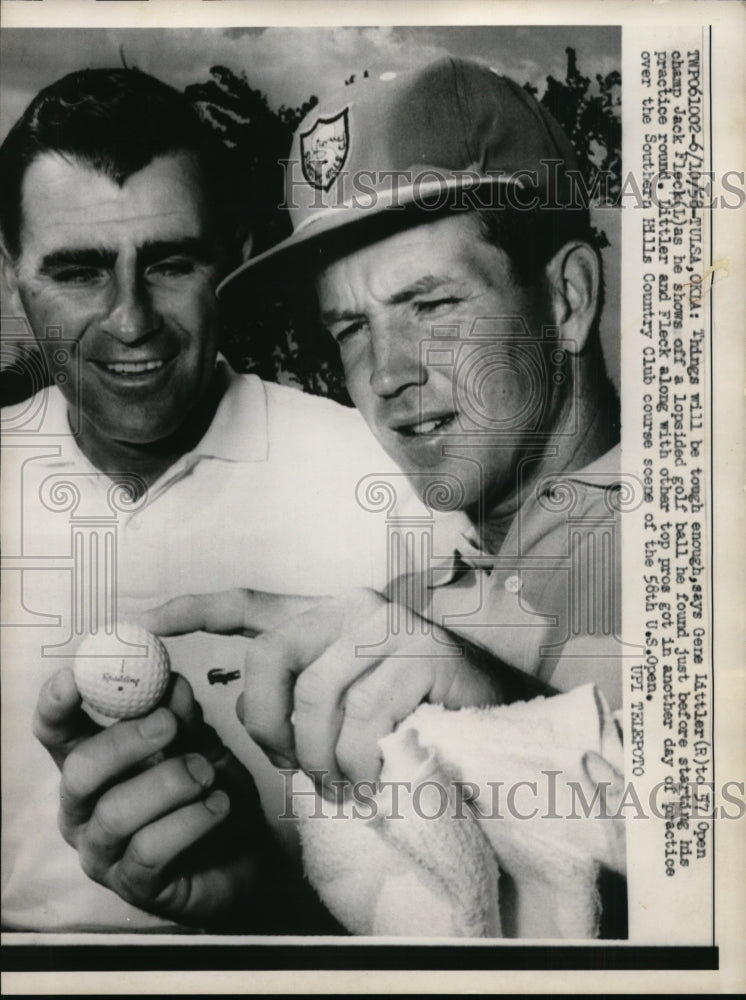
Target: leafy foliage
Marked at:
593, 123
271, 333
256, 139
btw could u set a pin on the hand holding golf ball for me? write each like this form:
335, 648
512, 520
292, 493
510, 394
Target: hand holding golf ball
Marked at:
116, 685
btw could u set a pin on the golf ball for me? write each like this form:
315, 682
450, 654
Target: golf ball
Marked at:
118, 680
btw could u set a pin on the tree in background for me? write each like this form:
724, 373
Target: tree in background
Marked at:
593, 124
273, 332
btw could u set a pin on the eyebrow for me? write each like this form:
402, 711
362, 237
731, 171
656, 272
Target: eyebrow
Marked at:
106, 257
89, 257
428, 283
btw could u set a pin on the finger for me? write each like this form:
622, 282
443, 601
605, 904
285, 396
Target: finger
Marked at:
112, 754
228, 612
270, 668
194, 734
413, 669
143, 874
272, 663
321, 691
59, 722
373, 707
136, 803
356, 631
181, 701
599, 771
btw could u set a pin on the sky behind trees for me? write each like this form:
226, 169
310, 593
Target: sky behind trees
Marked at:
290, 64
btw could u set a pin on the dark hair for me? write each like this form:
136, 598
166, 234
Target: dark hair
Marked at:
114, 120
530, 238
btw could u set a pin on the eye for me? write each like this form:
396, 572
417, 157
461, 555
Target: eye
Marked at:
77, 275
172, 267
341, 334
433, 305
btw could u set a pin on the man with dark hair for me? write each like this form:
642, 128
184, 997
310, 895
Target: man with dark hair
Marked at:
181, 476
96, 118
467, 323
68, 174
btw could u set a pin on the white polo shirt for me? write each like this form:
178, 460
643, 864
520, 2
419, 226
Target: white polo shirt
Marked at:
270, 499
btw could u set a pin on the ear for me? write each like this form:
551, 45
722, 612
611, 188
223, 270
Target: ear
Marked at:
573, 278
10, 282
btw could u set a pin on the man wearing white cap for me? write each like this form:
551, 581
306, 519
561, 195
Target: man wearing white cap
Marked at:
438, 215
434, 213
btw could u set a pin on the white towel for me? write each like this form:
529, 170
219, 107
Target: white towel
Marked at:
416, 859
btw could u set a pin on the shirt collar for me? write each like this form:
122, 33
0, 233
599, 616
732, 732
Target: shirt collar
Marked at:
239, 430
601, 474
55, 429
238, 433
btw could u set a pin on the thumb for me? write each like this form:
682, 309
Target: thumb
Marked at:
59, 722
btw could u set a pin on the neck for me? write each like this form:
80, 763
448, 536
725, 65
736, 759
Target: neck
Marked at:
138, 466
581, 433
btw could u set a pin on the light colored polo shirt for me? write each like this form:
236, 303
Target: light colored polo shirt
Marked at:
548, 603
270, 498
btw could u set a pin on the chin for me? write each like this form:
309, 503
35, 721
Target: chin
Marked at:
443, 489
142, 437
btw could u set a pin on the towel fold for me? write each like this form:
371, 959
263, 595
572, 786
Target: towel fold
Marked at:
483, 823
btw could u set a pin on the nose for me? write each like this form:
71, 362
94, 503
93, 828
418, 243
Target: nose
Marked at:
131, 316
396, 362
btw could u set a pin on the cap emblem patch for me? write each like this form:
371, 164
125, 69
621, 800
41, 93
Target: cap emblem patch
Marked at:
324, 149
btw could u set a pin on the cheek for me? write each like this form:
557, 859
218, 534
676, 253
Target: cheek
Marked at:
357, 379
55, 315
58, 337
194, 311
42, 307
500, 385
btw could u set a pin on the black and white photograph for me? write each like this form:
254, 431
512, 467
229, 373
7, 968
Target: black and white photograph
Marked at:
358, 478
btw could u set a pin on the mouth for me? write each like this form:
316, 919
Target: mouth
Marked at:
131, 369
429, 427
145, 374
